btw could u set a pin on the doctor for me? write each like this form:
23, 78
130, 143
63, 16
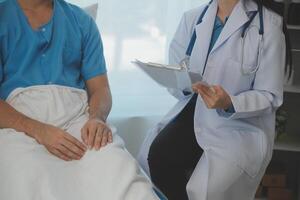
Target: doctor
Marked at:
215, 144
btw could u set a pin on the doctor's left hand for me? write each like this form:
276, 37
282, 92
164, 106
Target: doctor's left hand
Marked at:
215, 97
96, 134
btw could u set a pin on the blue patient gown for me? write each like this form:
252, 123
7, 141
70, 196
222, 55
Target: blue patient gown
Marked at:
65, 51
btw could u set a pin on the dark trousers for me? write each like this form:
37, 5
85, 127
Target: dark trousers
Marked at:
174, 154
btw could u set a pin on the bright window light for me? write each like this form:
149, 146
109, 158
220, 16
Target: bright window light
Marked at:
137, 29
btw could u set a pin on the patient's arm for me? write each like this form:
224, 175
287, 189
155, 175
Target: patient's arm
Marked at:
57, 141
11, 118
96, 133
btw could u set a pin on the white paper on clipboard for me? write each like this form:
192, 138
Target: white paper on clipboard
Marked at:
170, 76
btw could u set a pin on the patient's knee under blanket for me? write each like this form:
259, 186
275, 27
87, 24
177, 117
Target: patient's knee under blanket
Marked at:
29, 172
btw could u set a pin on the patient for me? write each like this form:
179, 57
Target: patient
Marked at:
55, 143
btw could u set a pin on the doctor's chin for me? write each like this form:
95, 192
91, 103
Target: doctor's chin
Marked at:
149, 100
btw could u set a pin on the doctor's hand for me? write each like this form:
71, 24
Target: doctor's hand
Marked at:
96, 134
215, 97
60, 143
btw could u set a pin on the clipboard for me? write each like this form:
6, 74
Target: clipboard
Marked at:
170, 76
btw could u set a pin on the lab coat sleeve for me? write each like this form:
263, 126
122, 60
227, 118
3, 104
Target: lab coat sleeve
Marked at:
267, 92
177, 51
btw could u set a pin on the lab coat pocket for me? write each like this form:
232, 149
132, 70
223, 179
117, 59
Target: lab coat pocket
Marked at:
248, 51
232, 78
251, 151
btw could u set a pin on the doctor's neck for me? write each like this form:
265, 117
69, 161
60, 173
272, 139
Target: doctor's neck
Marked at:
35, 4
225, 8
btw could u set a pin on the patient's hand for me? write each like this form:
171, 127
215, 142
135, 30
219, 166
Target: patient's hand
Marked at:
60, 143
96, 134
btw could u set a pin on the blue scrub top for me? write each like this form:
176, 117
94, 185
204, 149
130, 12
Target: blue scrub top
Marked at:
66, 51
218, 27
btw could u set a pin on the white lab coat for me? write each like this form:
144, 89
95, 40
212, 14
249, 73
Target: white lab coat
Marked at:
238, 147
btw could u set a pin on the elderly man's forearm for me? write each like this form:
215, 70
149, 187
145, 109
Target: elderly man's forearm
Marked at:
100, 104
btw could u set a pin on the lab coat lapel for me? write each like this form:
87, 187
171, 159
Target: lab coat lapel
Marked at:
204, 32
235, 21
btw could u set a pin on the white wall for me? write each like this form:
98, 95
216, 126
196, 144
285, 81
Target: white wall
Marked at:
137, 29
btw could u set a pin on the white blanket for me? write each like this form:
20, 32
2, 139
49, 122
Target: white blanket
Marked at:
29, 172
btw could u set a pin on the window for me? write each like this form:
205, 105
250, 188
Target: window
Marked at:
138, 29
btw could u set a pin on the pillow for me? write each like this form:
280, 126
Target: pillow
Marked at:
92, 10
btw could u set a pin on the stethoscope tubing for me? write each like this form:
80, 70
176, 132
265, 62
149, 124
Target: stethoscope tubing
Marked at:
243, 35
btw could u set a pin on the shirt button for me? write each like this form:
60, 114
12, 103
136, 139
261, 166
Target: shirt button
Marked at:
43, 55
43, 29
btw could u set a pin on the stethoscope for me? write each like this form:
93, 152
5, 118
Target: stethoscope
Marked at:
186, 61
